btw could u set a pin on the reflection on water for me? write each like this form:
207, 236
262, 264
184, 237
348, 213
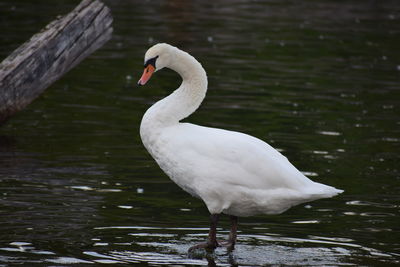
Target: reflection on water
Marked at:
171, 249
318, 81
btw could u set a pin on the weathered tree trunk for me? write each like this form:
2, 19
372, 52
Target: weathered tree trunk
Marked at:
49, 54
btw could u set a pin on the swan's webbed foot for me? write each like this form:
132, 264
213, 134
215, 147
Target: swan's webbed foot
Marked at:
208, 246
212, 242
229, 245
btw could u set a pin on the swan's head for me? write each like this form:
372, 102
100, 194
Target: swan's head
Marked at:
156, 58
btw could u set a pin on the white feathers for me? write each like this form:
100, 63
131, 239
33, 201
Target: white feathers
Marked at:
231, 172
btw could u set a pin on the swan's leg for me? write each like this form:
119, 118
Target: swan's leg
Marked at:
211, 243
230, 244
233, 233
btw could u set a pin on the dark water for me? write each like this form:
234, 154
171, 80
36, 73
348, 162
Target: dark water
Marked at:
319, 80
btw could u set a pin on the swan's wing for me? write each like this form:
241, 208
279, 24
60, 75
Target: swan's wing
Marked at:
233, 172
231, 158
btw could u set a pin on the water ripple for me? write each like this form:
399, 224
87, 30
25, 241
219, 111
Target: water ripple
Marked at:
372, 204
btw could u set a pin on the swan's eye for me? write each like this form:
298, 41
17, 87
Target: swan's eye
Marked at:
151, 61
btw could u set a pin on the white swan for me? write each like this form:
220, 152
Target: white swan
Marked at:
232, 172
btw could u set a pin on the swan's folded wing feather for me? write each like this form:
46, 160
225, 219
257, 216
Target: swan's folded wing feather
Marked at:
233, 172
231, 158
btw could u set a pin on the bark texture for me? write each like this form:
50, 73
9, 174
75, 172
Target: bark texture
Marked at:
52, 52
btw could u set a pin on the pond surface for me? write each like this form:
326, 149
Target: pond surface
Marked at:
318, 80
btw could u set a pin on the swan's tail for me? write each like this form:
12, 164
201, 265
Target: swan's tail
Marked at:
324, 191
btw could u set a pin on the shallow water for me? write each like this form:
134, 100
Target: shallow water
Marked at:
317, 80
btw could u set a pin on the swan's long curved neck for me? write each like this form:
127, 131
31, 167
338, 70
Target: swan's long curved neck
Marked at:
184, 100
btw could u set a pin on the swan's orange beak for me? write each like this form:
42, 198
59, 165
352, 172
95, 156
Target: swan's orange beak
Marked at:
148, 71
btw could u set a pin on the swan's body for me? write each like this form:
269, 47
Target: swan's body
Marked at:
232, 172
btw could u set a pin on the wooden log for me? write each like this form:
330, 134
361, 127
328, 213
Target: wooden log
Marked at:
52, 52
